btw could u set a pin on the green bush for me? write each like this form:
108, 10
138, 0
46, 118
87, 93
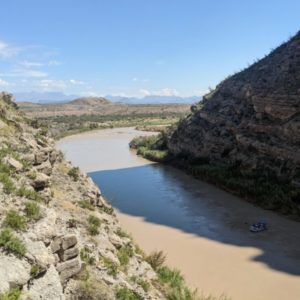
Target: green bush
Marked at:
121, 233
86, 255
8, 185
74, 173
12, 244
126, 294
93, 225
86, 205
32, 210
93, 220
35, 270
93, 229
171, 277
124, 255
112, 267
13, 294
14, 220
29, 194
156, 259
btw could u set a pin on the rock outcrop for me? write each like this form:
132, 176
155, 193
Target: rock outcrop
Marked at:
59, 238
251, 121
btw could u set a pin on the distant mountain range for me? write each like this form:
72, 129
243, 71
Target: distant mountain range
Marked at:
56, 97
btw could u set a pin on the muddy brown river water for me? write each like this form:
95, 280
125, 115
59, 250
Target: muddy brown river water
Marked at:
202, 229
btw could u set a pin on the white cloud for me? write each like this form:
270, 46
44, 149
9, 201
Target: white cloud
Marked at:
76, 82
162, 92
51, 84
135, 79
28, 73
35, 64
7, 50
3, 82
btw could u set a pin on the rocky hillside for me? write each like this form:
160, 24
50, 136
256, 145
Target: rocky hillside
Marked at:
250, 126
91, 101
59, 238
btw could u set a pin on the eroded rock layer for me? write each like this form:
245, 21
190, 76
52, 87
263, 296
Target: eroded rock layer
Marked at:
251, 120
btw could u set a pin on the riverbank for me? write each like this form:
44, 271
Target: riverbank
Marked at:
265, 191
203, 230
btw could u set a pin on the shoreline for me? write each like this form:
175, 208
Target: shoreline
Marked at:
212, 266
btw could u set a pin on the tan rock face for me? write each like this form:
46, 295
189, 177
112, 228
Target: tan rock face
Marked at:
251, 120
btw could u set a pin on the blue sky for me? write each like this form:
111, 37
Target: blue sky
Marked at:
136, 47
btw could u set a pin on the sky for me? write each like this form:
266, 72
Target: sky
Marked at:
136, 47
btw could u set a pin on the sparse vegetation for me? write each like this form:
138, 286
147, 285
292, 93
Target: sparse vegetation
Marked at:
122, 233
33, 211
14, 220
112, 267
92, 289
124, 293
13, 294
86, 204
12, 244
93, 225
124, 255
74, 173
156, 259
86, 255
35, 270
29, 194
8, 184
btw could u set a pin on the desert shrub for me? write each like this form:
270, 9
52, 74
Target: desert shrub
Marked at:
93, 225
35, 270
93, 220
12, 244
124, 255
124, 293
112, 267
14, 220
13, 294
29, 194
107, 209
93, 229
122, 233
156, 259
86, 255
172, 277
8, 185
74, 173
144, 284
92, 289
33, 211
86, 204
183, 294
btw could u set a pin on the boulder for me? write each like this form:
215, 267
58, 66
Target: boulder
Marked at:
68, 268
13, 273
13, 163
47, 287
41, 181
69, 241
38, 252
45, 168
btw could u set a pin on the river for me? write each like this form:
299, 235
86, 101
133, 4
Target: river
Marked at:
202, 229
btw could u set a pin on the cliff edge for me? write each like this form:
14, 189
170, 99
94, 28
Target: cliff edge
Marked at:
250, 127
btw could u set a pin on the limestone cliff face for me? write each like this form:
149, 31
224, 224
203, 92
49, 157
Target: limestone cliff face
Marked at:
251, 120
59, 239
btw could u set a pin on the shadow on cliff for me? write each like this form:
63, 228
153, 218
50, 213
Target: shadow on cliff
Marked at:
166, 196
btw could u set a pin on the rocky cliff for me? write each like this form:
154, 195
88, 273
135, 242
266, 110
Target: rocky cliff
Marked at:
250, 123
59, 238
